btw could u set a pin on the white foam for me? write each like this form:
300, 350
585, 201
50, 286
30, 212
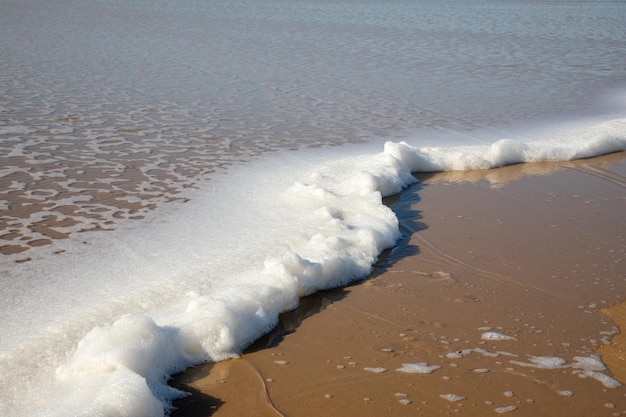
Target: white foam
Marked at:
487, 353
584, 366
459, 353
607, 381
418, 368
543, 362
452, 397
506, 409
589, 363
591, 367
549, 144
496, 336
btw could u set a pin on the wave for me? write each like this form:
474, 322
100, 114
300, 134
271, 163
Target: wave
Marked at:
339, 226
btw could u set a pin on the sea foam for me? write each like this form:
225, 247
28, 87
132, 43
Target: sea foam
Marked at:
189, 290
562, 144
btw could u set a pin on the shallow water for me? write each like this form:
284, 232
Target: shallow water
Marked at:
127, 104
113, 114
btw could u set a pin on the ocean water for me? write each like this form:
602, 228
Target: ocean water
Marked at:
176, 173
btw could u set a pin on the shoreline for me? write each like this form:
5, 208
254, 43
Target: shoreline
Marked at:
530, 251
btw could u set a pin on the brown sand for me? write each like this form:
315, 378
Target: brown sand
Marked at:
535, 252
614, 355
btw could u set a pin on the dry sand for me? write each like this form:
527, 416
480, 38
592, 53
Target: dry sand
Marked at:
535, 252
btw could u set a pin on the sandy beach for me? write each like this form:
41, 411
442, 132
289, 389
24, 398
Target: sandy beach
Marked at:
504, 296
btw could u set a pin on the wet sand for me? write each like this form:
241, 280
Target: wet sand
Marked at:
496, 268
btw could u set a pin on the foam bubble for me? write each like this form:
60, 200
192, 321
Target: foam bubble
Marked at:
604, 379
507, 409
589, 363
496, 336
591, 367
487, 353
544, 362
452, 397
418, 368
584, 366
